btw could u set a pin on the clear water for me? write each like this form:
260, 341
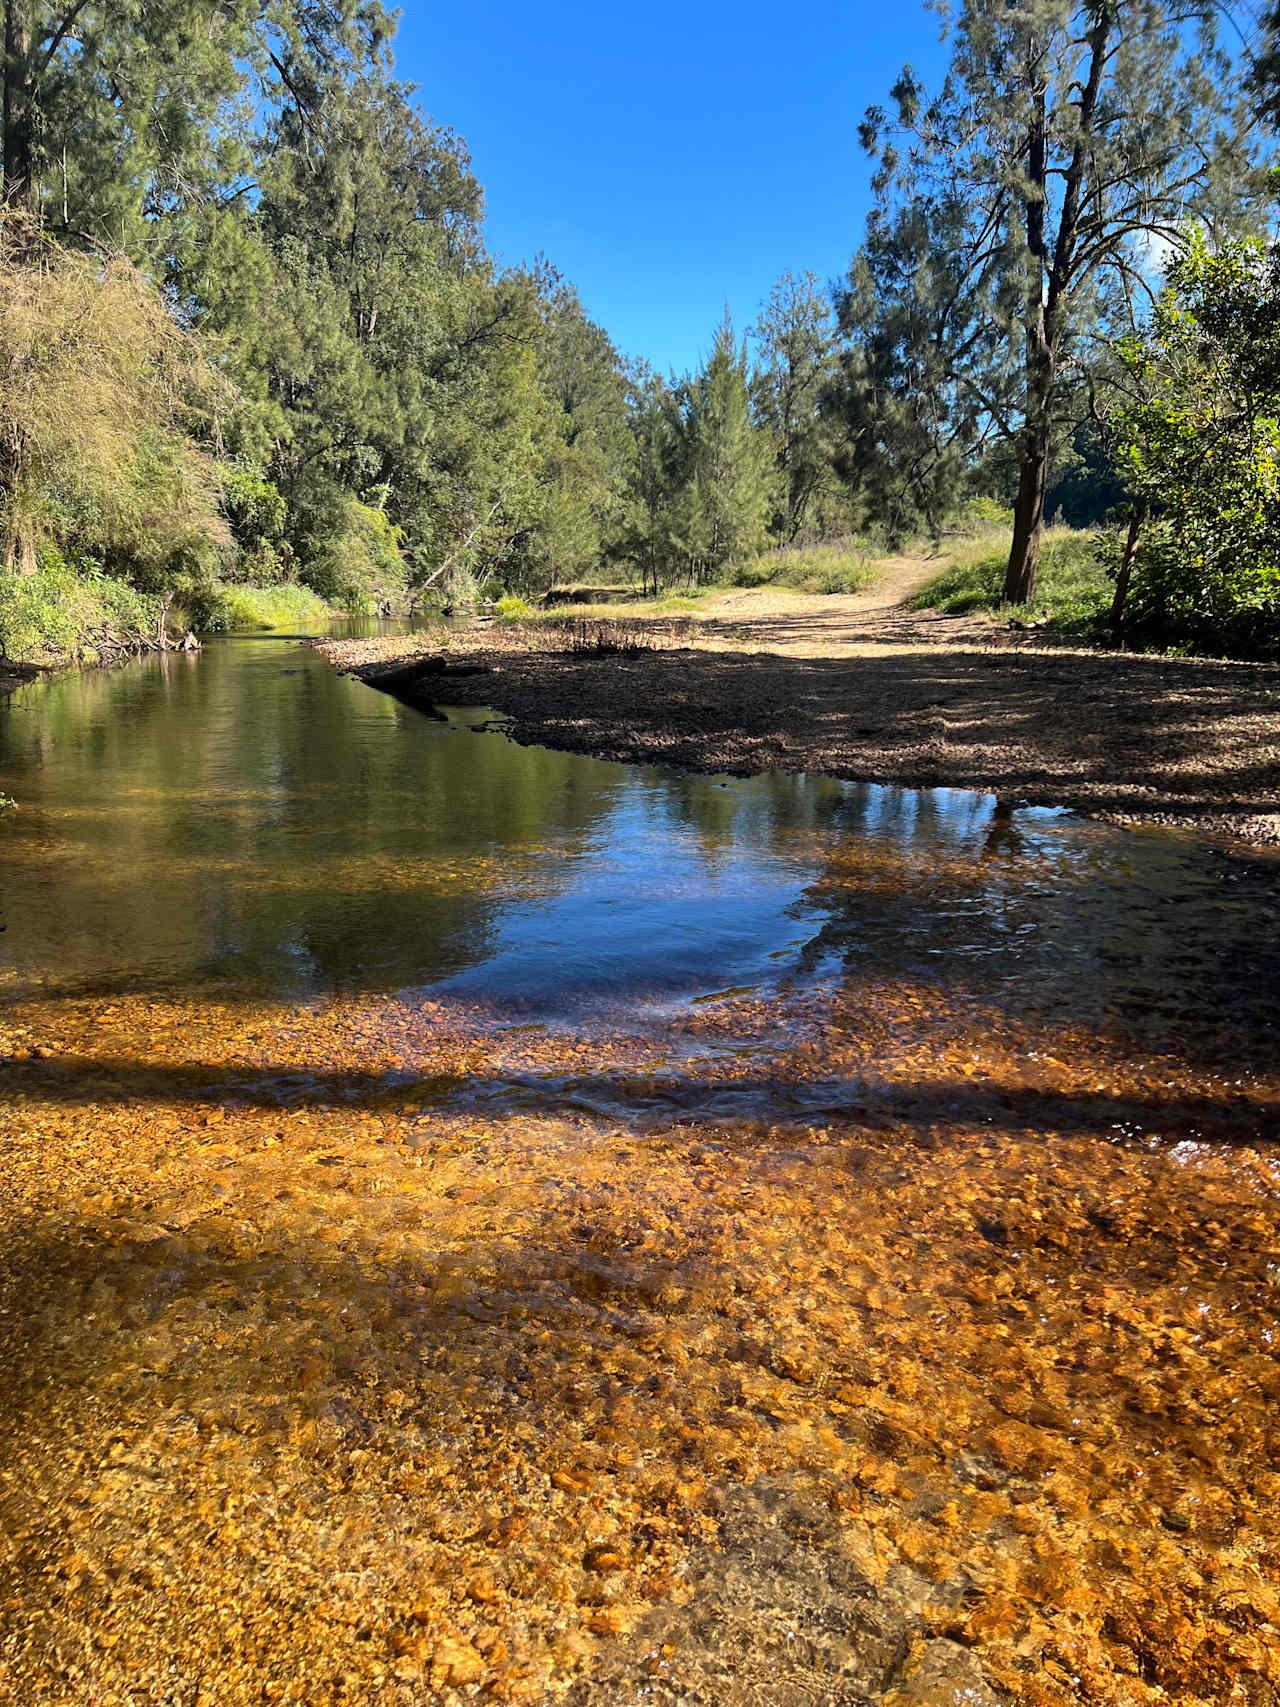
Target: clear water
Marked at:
250, 821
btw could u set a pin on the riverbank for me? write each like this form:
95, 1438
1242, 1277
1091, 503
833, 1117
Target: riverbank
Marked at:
58, 617
891, 696
15, 676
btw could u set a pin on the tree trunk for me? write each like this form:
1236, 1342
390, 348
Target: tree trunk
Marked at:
1028, 521
1125, 571
16, 552
19, 105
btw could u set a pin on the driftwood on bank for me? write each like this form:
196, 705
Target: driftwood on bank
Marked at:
109, 647
425, 682
106, 647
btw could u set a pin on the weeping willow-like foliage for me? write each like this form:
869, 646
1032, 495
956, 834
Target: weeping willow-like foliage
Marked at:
103, 396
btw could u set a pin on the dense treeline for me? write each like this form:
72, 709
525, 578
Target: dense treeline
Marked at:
251, 333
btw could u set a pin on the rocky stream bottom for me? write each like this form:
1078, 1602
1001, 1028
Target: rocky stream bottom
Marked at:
873, 1345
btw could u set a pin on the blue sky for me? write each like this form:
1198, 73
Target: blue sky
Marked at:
667, 158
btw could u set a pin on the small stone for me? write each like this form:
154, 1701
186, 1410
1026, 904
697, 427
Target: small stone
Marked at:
944, 1675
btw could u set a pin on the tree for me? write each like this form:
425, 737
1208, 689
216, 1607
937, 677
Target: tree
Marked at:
1016, 208
795, 341
903, 442
1197, 435
655, 423
586, 450
724, 463
97, 416
118, 114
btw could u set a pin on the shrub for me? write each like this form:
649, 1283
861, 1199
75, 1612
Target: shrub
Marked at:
840, 566
359, 565
62, 608
1073, 589
100, 400
229, 609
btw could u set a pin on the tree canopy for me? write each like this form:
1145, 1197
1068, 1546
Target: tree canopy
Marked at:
309, 368
1016, 209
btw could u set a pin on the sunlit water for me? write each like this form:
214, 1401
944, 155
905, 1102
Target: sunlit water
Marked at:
250, 821
480, 1218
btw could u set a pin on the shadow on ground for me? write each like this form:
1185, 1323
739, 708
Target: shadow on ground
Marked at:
1149, 737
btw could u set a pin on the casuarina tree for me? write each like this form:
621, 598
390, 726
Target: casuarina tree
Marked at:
1019, 210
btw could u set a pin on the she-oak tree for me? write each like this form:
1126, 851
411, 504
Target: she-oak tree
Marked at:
1016, 215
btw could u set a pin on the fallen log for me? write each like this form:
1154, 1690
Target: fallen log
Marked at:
423, 682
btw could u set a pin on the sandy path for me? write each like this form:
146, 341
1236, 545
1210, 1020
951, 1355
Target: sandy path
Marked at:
831, 625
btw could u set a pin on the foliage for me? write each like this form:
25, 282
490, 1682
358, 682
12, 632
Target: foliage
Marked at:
982, 512
836, 567
585, 449
256, 337
512, 608
61, 607
795, 339
1086, 487
1012, 211
1072, 593
227, 608
723, 507
359, 565
102, 387
1198, 438
256, 514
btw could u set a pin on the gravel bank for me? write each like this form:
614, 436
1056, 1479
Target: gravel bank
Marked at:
1130, 738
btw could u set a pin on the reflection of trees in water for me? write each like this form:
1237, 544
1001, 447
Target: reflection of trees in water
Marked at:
1161, 941
166, 808
1003, 833
251, 814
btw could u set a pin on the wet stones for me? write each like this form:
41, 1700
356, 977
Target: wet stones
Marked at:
779, 1616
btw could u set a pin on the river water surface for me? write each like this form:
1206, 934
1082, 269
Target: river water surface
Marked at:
463, 1200
250, 821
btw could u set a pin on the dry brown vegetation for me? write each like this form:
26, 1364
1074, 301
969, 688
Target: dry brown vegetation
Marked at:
99, 383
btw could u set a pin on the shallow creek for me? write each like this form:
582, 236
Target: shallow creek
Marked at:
486, 1223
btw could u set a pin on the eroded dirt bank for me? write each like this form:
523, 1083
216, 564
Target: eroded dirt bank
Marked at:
1132, 738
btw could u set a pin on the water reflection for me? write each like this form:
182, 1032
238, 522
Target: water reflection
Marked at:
251, 822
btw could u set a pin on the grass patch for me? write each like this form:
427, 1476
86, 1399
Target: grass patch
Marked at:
840, 566
1073, 590
512, 608
227, 609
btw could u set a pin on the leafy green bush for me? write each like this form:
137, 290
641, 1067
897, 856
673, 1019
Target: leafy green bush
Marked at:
976, 514
1198, 441
61, 608
359, 565
256, 513
227, 609
1073, 587
513, 609
839, 567
104, 391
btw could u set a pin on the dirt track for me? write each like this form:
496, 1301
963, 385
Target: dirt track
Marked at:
860, 687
